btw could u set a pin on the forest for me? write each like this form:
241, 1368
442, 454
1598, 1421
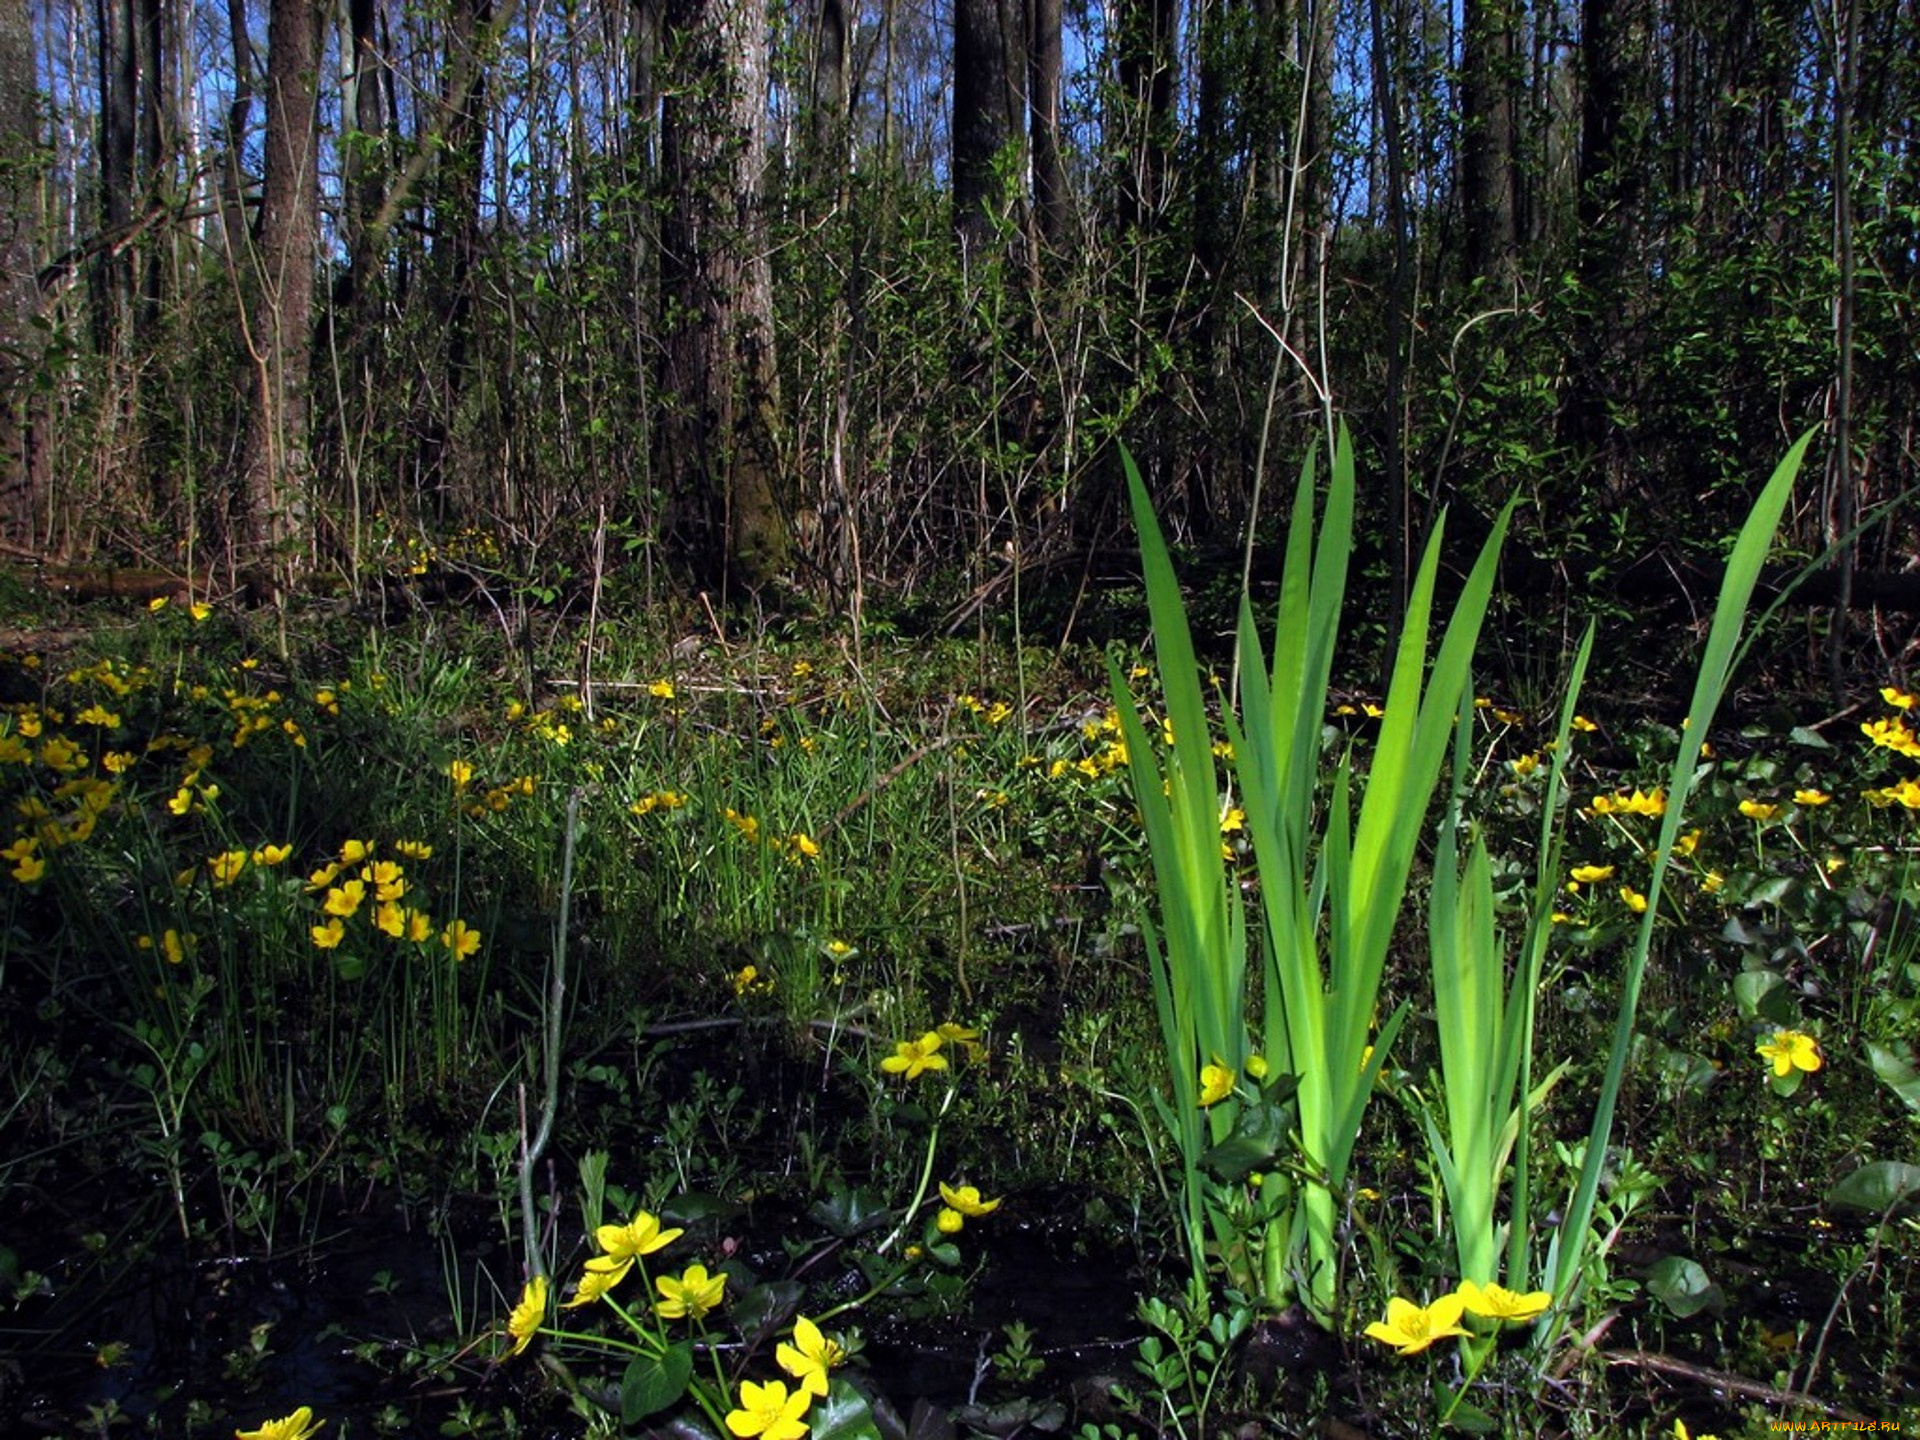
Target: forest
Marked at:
858, 299
900, 721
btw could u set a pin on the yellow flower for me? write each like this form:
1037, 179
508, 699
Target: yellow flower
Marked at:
355, 851
30, 868
967, 1200
1790, 1050
594, 1284
413, 849
226, 867
157, 604
624, 1244
1758, 810
805, 844
949, 1221
300, 1425
913, 1058
1680, 1432
769, 1412
689, 1296
810, 1356
1899, 699
1216, 1083
345, 899
1492, 1302
390, 918
1635, 901
661, 690
267, 856
1411, 1328
200, 610
173, 946
419, 926
461, 938
527, 1316
1811, 798
1591, 874
330, 934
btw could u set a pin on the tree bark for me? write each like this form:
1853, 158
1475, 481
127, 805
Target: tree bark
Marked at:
20, 342
982, 122
1052, 200
718, 450
279, 335
1488, 171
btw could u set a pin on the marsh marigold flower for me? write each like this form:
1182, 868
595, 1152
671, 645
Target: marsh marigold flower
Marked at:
769, 1411
1411, 1328
690, 1295
1633, 900
1790, 1050
1216, 1083
1493, 1302
300, 1425
624, 1244
1591, 874
1758, 810
967, 1200
1810, 797
461, 938
593, 1286
810, 1356
913, 1058
529, 1314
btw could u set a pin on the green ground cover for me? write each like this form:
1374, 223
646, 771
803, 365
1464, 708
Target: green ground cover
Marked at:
720, 1007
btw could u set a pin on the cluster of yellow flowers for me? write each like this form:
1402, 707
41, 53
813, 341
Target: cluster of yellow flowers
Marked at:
1411, 1328
768, 1409
992, 713
347, 883
493, 799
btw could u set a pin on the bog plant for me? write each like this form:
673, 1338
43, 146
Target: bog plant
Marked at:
1280, 1122
1332, 871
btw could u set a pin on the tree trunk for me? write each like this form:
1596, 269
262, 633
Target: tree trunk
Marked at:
279, 339
1613, 65
20, 344
1487, 154
1052, 201
718, 452
119, 106
982, 122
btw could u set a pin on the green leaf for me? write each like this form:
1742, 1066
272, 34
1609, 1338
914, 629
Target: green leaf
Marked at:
1259, 1134
1684, 1287
1878, 1187
349, 967
846, 1213
1763, 995
654, 1383
1898, 1072
843, 1414
1466, 1416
